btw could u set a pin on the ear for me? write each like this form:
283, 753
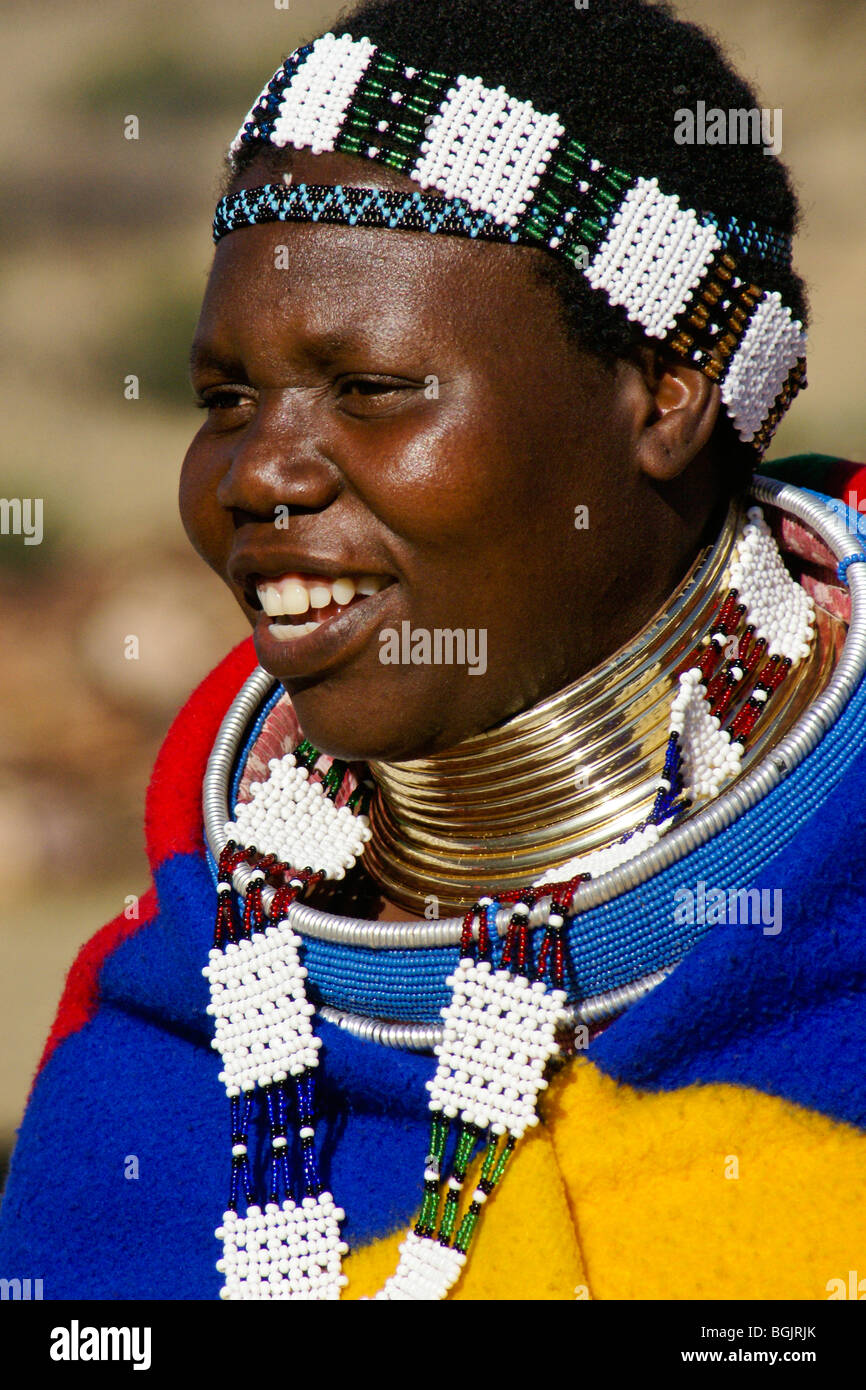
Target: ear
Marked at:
681, 407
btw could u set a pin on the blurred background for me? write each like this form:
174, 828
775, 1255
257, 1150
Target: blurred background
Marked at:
104, 252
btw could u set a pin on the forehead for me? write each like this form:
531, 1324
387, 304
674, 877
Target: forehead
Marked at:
344, 281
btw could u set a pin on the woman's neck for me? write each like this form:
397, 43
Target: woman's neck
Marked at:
574, 772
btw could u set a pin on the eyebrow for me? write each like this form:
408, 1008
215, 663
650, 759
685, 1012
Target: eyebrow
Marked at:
325, 346
201, 358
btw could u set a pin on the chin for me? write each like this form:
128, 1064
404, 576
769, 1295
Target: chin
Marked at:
381, 725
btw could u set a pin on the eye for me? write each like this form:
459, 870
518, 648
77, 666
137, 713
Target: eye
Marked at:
372, 395
369, 386
221, 398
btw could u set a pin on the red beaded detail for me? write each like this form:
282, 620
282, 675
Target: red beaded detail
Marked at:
517, 940
769, 680
484, 943
746, 644
255, 918
254, 912
721, 678
467, 936
517, 950
231, 857
755, 656
553, 947
288, 893
707, 657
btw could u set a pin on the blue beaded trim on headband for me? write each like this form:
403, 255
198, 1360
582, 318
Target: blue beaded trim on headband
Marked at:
752, 239
354, 207
378, 207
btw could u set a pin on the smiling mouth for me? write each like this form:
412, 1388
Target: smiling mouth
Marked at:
300, 604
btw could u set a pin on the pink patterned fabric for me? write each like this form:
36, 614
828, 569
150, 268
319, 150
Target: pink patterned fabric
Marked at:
280, 734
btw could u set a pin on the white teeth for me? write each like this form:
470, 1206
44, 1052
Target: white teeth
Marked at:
289, 632
343, 590
370, 584
291, 597
320, 596
294, 597
269, 598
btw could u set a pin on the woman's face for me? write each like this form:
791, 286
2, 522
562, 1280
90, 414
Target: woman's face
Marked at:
405, 411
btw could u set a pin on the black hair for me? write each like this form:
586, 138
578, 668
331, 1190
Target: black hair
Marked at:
616, 72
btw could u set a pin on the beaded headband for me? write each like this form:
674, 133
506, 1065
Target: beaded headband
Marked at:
510, 173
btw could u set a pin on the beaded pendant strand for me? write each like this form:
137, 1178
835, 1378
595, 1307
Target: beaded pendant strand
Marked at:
763, 630
284, 1246
499, 1035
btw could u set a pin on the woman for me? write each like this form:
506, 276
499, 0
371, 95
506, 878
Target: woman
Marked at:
488, 358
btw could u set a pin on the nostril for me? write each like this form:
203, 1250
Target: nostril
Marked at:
240, 518
279, 515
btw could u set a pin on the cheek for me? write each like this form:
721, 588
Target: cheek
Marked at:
445, 486
205, 522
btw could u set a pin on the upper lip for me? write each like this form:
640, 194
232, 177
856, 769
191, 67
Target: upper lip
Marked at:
247, 569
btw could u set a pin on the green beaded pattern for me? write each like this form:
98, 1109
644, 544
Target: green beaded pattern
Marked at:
398, 146
495, 1161
333, 778
466, 1139
307, 755
429, 1215
575, 220
492, 1171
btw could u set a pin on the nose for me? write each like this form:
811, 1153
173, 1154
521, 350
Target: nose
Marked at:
277, 462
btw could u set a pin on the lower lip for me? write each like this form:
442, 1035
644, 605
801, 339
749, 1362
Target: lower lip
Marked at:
334, 641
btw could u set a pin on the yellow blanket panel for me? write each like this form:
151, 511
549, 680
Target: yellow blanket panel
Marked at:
710, 1192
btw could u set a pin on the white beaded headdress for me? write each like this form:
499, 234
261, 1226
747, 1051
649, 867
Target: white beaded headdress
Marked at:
511, 173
